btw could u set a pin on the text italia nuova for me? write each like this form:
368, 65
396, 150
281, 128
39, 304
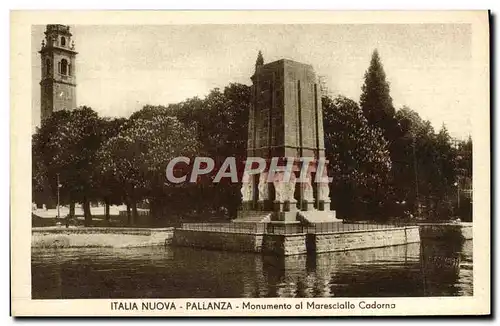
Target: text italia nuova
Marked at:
225, 305
170, 305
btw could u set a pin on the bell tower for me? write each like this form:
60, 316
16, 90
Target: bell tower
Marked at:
58, 82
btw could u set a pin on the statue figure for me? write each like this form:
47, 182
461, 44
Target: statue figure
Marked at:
247, 191
324, 191
324, 188
307, 189
290, 188
263, 190
279, 194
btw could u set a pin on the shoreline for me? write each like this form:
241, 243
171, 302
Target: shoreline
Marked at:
92, 237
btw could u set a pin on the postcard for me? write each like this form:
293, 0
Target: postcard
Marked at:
250, 163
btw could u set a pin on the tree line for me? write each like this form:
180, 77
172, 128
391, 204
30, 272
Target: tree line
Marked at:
384, 162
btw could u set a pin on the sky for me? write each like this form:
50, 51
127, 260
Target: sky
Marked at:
119, 69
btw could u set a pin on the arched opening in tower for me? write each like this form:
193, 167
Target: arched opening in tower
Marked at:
64, 67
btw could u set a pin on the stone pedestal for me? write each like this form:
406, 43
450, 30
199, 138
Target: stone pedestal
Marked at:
288, 217
247, 206
289, 207
323, 193
307, 205
278, 206
324, 205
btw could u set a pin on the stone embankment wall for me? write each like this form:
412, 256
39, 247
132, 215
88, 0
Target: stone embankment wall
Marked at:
296, 243
275, 244
284, 244
229, 241
351, 240
78, 237
268, 243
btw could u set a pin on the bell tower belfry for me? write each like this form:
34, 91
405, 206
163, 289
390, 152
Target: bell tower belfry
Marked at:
58, 82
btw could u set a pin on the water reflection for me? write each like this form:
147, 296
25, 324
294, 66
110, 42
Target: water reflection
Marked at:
447, 269
427, 269
389, 271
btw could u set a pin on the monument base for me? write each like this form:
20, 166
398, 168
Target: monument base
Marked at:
247, 206
315, 216
253, 216
285, 217
312, 216
307, 205
288, 226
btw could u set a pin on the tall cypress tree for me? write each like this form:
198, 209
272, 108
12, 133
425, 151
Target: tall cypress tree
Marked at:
375, 100
260, 60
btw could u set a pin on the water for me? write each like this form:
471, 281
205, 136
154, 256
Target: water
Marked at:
426, 269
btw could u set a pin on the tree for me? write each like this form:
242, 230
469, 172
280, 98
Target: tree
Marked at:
359, 158
41, 187
411, 155
425, 167
464, 179
218, 126
108, 190
135, 160
66, 145
260, 60
221, 124
445, 174
376, 101
220, 120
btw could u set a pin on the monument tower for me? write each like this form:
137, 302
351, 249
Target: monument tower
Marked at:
58, 82
286, 122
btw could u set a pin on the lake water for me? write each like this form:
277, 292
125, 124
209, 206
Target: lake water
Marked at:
426, 269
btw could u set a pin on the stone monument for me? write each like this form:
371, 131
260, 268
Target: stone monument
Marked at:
286, 123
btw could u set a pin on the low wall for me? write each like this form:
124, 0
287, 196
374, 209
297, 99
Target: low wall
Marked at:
232, 241
284, 244
99, 237
275, 244
446, 231
297, 243
351, 240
